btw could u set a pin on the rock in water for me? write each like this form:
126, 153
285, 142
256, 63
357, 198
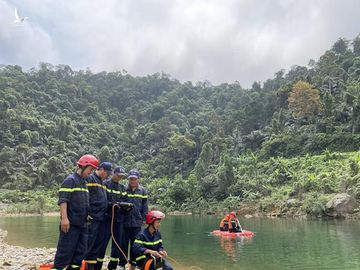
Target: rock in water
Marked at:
340, 205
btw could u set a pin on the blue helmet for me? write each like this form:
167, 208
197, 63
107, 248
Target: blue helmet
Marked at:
106, 166
119, 170
134, 173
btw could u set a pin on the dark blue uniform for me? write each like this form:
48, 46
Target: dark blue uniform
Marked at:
145, 240
235, 225
115, 193
134, 219
98, 208
72, 245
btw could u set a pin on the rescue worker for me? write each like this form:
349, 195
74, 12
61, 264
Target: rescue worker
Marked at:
224, 223
148, 244
234, 224
116, 193
134, 219
74, 206
98, 207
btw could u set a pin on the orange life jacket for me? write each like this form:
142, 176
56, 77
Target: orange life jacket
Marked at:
225, 221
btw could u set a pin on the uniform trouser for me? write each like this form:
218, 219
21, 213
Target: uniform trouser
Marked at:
96, 236
116, 256
130, 234
166, 265
237, 229
71, 248
224, 229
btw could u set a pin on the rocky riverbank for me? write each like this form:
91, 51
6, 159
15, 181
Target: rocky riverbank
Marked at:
20, 258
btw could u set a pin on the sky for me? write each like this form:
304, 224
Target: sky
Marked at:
192, 40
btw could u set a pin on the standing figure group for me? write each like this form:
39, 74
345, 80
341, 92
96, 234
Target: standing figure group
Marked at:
96, 207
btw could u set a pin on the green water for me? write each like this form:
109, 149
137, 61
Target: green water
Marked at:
278, 243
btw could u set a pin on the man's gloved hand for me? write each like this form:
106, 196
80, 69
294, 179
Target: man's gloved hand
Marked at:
125, 206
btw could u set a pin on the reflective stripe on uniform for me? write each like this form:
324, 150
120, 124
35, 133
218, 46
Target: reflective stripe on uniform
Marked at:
75, 266
148, 243
73, 189
116, 192
114, 259
100, 259
140, 258
137, 196
96, 185
91, 261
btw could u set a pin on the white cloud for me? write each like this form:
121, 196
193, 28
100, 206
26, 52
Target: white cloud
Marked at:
25, 44
220, 41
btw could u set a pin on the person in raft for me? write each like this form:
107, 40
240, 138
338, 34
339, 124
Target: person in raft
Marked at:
230, 223
74, 205
148, 249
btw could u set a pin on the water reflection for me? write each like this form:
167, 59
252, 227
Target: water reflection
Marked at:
277, 244
232, 246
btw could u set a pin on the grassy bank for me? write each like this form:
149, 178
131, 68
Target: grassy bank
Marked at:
276, 186
28, 202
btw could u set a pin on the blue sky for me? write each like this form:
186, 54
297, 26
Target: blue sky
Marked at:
196, 40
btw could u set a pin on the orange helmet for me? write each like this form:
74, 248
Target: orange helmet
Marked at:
232, 214
88, 160
154, 215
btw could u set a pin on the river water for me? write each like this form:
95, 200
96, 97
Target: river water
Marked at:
277, 244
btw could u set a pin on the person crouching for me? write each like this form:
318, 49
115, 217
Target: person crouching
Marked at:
148, 249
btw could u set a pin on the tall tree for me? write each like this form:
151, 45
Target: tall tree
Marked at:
204, 161
304, 100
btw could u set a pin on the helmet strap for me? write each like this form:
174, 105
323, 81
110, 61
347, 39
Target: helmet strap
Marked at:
82, 169
152, 227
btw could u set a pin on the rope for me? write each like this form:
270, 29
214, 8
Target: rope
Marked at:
183, 267
175, 261
112, 233
127, 260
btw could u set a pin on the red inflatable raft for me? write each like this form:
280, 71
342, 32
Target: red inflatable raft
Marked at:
243, 233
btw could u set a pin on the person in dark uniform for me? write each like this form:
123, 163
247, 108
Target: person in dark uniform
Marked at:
98, 208
148, 249
74, 207
234, 223
116, 194
137, 195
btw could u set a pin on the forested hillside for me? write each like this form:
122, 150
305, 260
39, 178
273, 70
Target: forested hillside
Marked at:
189, 140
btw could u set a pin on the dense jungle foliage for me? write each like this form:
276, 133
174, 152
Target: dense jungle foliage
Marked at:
195, 144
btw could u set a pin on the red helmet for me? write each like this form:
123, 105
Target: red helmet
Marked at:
88, 160
154, 215
232, 214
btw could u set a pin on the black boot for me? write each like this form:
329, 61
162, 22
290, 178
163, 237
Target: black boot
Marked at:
90, 266
98, 265
112, 265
